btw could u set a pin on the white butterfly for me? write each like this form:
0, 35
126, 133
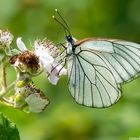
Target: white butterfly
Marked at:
97, 67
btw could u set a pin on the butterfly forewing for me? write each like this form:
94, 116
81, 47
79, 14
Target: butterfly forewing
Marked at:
98, 69
124, 61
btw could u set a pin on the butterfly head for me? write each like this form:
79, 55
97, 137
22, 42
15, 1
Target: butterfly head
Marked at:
70, 39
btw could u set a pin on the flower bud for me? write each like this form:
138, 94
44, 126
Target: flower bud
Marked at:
29, 98
6, 38
19, 101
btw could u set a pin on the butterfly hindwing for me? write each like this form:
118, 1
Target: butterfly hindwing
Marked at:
91, 83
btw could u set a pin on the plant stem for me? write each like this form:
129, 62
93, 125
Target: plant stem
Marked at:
3, 80
6, 102
3, 100
3, 77
3, 92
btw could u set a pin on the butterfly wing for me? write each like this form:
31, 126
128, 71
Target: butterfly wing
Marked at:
123, 60
97, 69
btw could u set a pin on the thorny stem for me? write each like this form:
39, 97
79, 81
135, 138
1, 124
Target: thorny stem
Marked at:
6, 102
10, 86
3, 100
3, 82
3, 92
4, 76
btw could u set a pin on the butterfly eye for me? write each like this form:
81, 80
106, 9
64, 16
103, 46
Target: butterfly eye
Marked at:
69, 39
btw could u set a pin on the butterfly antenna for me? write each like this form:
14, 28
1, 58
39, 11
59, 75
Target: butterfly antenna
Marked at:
62, 18
65, 23
65, 29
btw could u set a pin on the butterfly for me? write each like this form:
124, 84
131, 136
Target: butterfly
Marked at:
97, 67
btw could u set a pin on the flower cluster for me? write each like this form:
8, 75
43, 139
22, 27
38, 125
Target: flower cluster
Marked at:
30, 63
46, 51
6, 38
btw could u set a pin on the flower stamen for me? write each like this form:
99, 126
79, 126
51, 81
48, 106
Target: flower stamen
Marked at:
6, 38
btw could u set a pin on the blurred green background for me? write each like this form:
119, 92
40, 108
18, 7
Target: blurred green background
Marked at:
64, 119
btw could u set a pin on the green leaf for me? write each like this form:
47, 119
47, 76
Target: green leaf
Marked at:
8, 130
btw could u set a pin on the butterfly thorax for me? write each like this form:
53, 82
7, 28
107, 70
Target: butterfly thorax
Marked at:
71, 45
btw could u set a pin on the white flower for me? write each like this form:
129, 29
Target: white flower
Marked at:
46, 52
26, 61
56, 71
6, 38
21, 45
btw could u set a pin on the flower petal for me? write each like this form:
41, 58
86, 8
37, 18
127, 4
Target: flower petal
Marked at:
46, 59
53, 79
21, 45
36, 103
55, 72
63, 72
60, 70
47, 62
40, 50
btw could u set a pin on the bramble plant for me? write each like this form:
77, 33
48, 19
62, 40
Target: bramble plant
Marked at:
28, 64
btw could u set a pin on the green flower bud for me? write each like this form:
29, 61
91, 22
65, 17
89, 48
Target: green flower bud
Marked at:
20, 84
19, 101
29, 98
